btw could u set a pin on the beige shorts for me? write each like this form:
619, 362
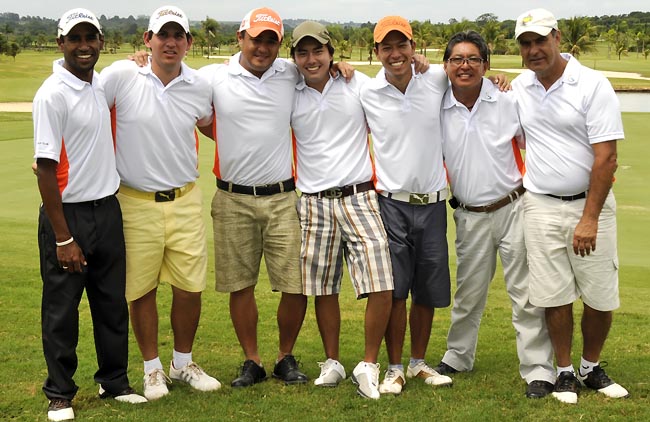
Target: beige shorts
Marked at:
165, 242
247, 227
557, 275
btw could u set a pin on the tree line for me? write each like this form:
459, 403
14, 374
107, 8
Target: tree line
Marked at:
624, 34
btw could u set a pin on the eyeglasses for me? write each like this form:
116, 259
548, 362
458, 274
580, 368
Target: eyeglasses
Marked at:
459, 61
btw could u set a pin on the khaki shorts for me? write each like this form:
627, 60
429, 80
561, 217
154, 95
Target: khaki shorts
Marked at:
557, 275
247, 227
165, 242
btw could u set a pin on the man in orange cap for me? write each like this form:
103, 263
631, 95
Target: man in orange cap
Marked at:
254, 206
403, 112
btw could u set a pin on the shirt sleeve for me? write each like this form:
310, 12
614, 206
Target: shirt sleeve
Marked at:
48, 115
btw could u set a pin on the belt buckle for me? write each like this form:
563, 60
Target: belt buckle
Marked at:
419, 198
165, 196
333, 193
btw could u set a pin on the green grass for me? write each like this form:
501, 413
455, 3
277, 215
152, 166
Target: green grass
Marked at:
20, 79
492, 392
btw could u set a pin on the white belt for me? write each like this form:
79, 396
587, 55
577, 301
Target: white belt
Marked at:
417, 198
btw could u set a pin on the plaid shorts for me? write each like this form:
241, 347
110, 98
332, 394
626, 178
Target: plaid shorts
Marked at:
349, 227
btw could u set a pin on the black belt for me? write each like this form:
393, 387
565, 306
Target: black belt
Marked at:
511, 197
96, 202
580, 195
258, 190
343, 191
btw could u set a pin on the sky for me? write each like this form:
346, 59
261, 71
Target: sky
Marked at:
332, 10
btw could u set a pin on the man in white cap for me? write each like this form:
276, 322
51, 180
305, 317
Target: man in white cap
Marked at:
253, 210
80, 235
339, 212
572, 122
156, 110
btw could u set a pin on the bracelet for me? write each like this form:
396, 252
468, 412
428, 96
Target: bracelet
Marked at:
65, 242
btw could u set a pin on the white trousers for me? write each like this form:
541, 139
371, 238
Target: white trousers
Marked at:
479, 237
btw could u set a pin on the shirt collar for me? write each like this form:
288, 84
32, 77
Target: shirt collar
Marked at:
235, 68
68, 78
571, 73
301, 85
186, 74
381, 82
488, 94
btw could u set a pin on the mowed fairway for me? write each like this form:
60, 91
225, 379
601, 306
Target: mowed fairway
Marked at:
493, 391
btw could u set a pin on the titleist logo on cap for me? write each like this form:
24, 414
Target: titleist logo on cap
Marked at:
165, 12
266, 18
79, 15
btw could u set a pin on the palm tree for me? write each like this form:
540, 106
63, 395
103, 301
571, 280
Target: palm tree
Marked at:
422, 35
578, 36
210, 28
343, 47
495, 37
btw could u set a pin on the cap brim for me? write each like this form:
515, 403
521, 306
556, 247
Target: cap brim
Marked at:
380, 37
158, 26
64, 32
318, 38
539, 30
255, 32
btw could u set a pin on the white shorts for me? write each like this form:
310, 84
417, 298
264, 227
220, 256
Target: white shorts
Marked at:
557, 275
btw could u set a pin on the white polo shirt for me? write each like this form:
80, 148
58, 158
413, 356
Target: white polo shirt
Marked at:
561, 124
331, 135
72, 126
406, 131
253, 136
156, 142
477, 145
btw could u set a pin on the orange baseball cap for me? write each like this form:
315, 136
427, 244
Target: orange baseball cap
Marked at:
262, 19
392, 23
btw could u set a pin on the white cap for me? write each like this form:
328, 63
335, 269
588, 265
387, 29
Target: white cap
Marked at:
76, 16
539, 21
166, 14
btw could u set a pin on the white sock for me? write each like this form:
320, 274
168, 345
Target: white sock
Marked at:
413, 362
181, 359
152, 365
561, 369
586, 366
397, 366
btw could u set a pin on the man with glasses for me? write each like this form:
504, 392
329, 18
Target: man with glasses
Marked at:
481, 137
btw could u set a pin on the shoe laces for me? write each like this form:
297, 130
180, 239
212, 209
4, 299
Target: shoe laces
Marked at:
391, 375
158, 377
424, 367
291, 361
325, 366
194, 370
58, 404
600, 374
566, 380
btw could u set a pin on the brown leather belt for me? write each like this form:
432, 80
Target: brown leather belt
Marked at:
511, 197
343, 191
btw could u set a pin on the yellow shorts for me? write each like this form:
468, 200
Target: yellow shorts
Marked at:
165, 242
247, 227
